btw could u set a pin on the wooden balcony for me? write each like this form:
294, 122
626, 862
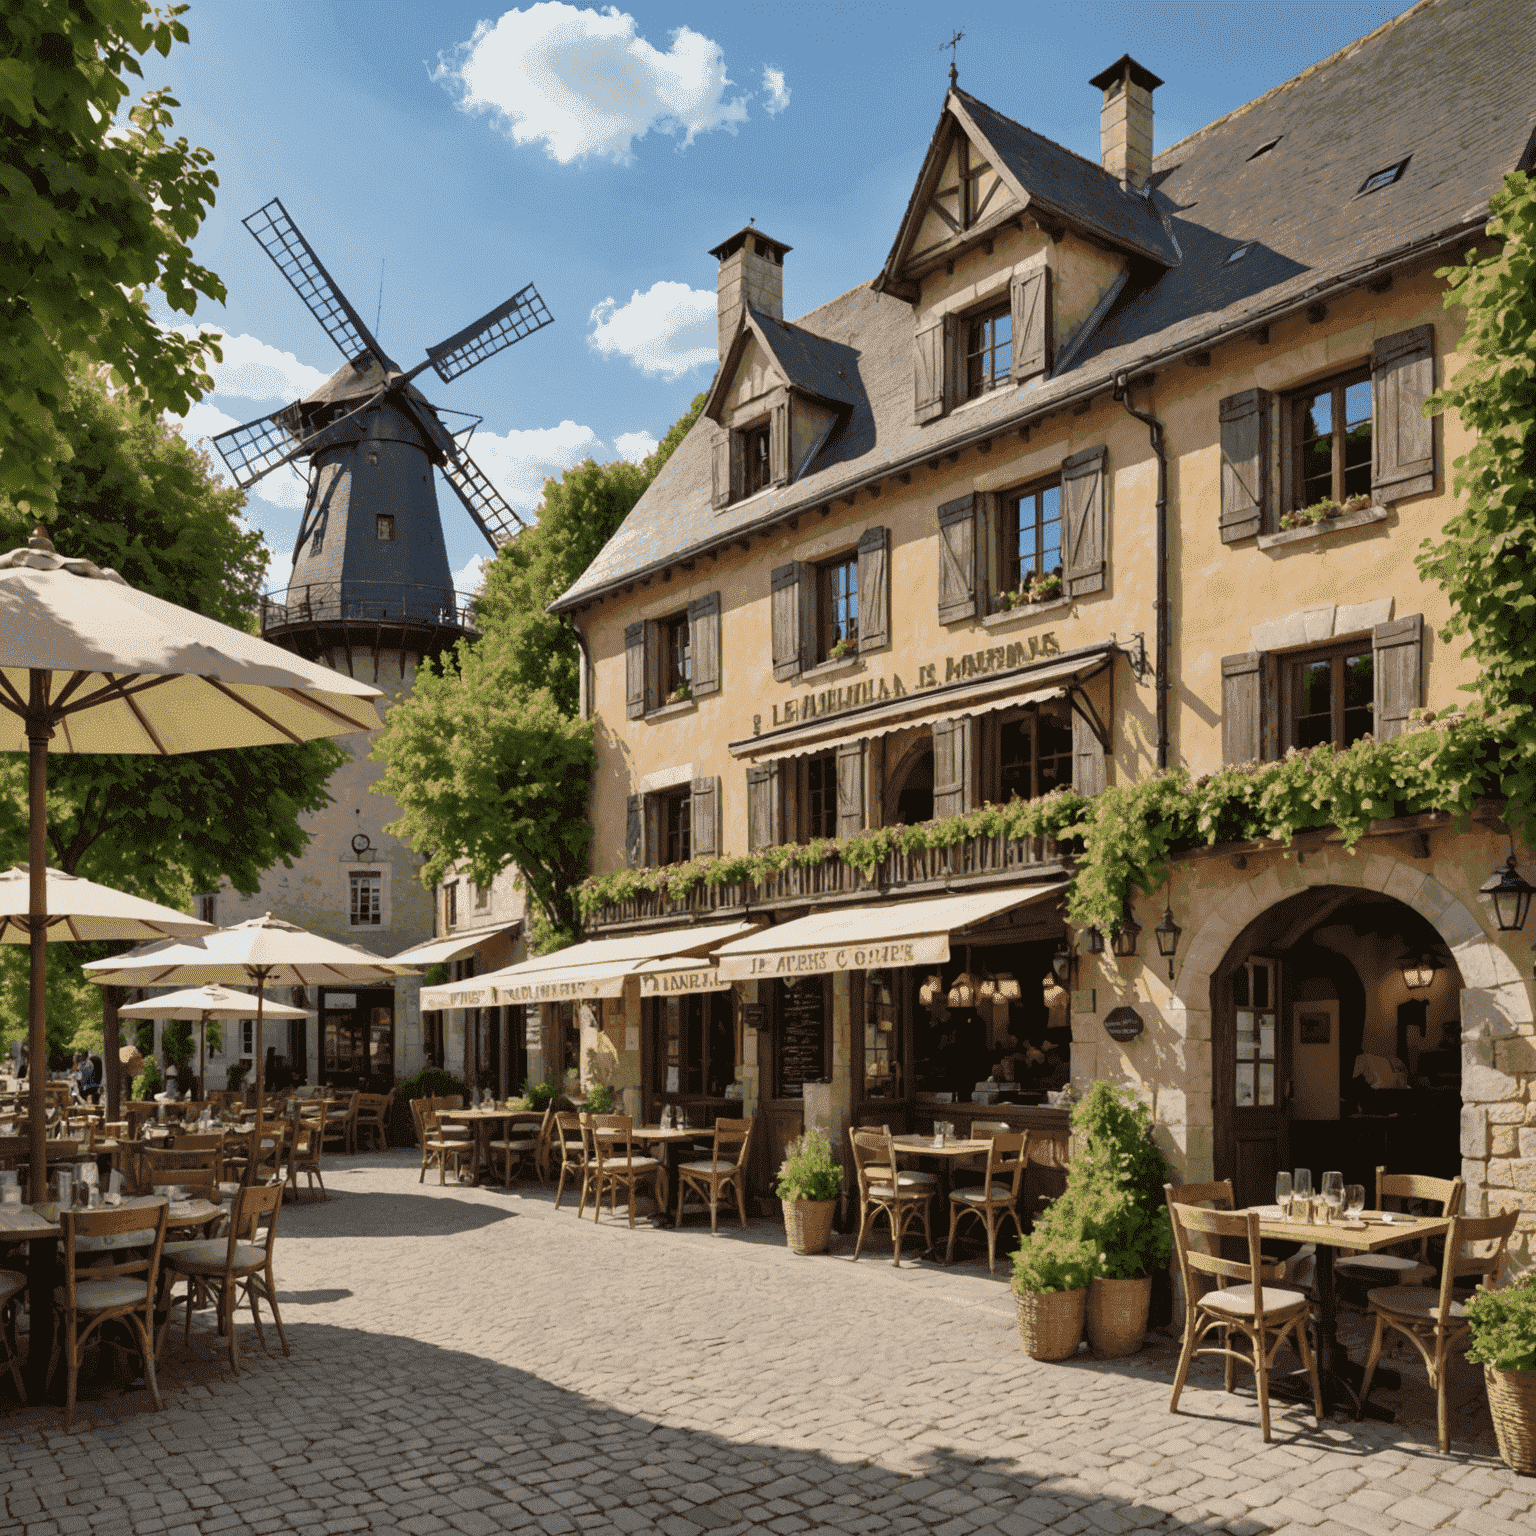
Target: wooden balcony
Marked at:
971, 862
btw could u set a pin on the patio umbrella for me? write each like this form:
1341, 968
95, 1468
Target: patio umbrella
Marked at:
89, 664
204, 1003
264, 950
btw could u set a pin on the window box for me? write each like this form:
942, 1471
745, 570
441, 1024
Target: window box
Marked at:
1328, 525
665, 711
833, 668
1006, 618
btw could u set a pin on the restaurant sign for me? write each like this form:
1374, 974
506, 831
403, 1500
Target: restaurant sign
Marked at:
1123, 1024
561, 989
670, 983
927, 949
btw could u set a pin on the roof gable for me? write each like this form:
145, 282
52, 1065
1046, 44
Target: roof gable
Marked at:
815, 365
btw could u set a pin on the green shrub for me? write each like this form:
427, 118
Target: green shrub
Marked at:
430, 1082
600, 1099
808, 1171
149, 1082
1047, 1262
236, 1078
541, 1095
1502, 1325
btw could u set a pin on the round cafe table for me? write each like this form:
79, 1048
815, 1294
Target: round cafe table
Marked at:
480, 1122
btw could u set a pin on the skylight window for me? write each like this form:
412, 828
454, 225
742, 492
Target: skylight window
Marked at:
1264, 149
1238, 254
1383, 178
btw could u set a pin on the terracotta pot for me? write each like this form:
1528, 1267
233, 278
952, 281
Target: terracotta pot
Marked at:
1117, 1315
1051, 1323
808, 1224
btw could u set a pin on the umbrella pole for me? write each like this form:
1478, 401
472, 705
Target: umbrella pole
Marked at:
39, 733
202, 1036
111, 1045
261, 986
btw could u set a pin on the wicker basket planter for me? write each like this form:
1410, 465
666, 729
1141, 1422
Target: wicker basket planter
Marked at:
1117, 1315
1512, 1402
808, 1224
1051, 1322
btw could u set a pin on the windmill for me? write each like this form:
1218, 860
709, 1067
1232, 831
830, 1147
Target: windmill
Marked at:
370, 554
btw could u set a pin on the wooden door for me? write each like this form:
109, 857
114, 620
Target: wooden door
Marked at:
1251, 1065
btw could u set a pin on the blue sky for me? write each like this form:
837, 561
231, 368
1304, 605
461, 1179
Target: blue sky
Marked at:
468, 149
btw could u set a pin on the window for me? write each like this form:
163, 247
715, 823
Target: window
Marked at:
482, 897
756, 446
676, 659
384, 526
821, 796
1032, 537
882, 1037
988, 350
247, 1037
207, 906
1383, 178
1331, 440
675, 818
1255, 993
451, 905
1331, 695
672, 659
366, 906
837, 594
1034, 754
696, 1046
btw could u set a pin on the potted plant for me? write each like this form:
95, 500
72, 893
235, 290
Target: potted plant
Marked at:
1052, 1270
1502, 1339
1044, 587
841, 650
808, 1185
680, 695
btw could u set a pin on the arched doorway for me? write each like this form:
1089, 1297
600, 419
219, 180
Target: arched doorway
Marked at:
909, 788
1322, 1055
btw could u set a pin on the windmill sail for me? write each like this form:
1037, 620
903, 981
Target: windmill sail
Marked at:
522, 315
494, 516
258, 447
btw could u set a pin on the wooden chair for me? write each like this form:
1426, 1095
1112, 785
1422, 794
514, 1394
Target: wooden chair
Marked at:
1265, 1320
12, 1288
997, 1200
123, 1289
341, 1123
203, 1141
1431, 1316
885, 1188
233, 1266
373, 1118
724, 1169
438, 1149
306, 1138
571, 1142
519, 1145
614, 1165
1402, 1267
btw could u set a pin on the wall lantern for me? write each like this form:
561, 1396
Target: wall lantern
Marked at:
1168, 934
1064, 961
1093, 941
1125, 935
1511, 893
963, 993
1418, 971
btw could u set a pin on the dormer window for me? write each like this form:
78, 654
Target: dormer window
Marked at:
751, 457
756, 448
1382, 178
988, 350
1264, 149
1238, 254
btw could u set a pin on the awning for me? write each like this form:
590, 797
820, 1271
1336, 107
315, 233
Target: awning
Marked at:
598, 968
455, 946
672, 978
864, 938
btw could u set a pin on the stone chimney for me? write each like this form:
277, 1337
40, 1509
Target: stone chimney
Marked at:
751, 269
1125, 121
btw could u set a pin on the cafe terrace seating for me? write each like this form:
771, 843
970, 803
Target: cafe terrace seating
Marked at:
439, 1146
12, 1287
724, 1169
572, 1145
901, 1202
519, 1145
997, 1198
373, 1119
305, 1140
1402, 1268
609, 1137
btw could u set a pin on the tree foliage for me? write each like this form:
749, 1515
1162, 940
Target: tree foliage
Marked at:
487, 757
97, 207
1485, 558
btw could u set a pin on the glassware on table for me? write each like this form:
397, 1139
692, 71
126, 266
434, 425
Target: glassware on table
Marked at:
1283, 1194
1301, 1183
1333, 1192
1354, 1200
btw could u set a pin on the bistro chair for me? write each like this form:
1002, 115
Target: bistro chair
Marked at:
1402, 1267
1431, 1316
373, 1119
571, 1142
997, 1199
341, 1123
724, 1169
519, 1144
610, 1171
900, 1194
1244, 1307
209, 1141
438, 1149
123, 1289
12, 1289
306, 1138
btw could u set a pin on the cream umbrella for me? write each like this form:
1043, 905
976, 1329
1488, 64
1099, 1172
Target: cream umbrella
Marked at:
81, 911
89, 664
210, 1002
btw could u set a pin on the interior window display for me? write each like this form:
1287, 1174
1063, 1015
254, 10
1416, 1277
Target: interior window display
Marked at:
883, 1075
1254, 992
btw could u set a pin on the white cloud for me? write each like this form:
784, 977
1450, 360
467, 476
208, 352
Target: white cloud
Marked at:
471, 576
255, 370
520, 462
584, 82
778, 92
667, 330
634, 446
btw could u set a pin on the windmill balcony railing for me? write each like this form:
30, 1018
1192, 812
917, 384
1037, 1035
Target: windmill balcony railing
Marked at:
367, 602
971, 861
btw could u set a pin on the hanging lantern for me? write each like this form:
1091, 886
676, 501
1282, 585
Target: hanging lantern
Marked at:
1418, 971
1511, 893
931, 991
1168, 934
1125, 935
1007, 988
1093, 940
986, 989
963, 993
1064, 961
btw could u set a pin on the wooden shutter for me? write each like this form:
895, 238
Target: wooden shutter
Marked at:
874, 588
721, 452
765, 820
957, 560
653, 698
1398, 659
1082, 484
787, 606
1244, 464
1090, 763
1033, 338
928, 373
778, 444
704, 818
1402, 441
634, 831
991, 567
704, 644
634, 670
738, 465
1242, 708
952, 758
850, 788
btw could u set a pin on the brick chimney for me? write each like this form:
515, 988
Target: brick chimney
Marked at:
751, 268
1125, 121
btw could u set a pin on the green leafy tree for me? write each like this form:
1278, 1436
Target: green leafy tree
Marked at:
487, 757
98, 206
1485, 558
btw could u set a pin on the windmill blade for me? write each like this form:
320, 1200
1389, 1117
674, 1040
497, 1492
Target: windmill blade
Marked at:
494, 516
279, 237
258, 447
522, 315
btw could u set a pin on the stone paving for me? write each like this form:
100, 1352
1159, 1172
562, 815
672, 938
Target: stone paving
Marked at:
464, 1360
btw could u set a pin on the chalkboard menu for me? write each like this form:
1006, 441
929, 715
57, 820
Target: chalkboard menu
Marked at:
802, 1037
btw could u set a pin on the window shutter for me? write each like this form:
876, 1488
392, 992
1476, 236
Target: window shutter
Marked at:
957, 560
778, 444
704, 644
1090, 763
634, 831
850, 788
1242, 708
951, 767
1033, 341
990, 565
764, 809
785, 602
874, 588
722, 452
928, 373
704, 818
738, 465
1402, 441
653, 699
1082, 483
634, 671
1398, 659
1244, 464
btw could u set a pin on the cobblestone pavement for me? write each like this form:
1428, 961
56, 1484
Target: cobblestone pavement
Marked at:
463, 1360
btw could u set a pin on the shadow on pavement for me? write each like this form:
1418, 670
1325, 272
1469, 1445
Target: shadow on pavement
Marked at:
346, 1214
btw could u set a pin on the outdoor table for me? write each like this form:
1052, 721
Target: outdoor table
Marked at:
669, 1139
952, 1151
480, 1121
1340, 1377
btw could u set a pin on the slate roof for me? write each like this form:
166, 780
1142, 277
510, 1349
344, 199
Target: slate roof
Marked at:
817, 364
1451, 84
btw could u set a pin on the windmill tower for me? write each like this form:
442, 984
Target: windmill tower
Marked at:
371, 594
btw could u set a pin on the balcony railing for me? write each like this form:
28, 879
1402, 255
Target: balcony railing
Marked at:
367, 602
978, 860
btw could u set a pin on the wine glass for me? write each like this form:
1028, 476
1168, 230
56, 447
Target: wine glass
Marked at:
1333, 1192
1354, 1200
1301, 1182
1283, 1193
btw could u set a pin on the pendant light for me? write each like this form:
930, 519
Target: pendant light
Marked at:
963, 993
